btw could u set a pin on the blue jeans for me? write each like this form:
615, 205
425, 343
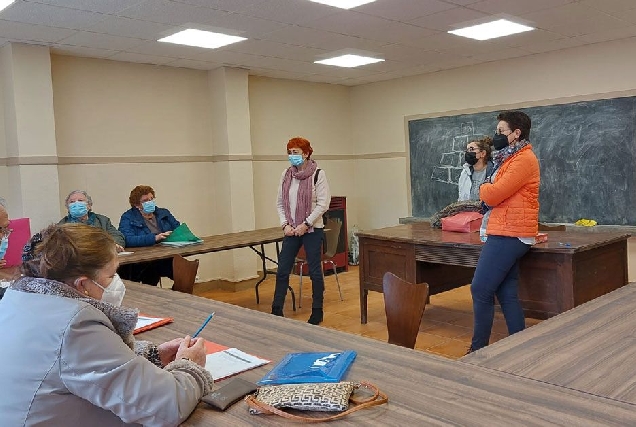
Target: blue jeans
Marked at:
291, 245
497, 274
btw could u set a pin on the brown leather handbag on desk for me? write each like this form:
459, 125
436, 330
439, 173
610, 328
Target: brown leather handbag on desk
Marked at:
323, 397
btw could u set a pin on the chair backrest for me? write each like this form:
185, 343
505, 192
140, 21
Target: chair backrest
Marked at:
184, 272
404, 304
546, 227
332, 236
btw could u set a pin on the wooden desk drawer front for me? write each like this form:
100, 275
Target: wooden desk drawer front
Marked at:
466, 257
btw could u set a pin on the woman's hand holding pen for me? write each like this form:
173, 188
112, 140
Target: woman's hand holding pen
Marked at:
168, 350
192, 349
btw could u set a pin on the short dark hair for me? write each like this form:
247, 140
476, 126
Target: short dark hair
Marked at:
517, 120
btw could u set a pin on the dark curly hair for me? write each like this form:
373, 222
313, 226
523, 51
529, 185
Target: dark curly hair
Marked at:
485, 144
137, 192
517, 120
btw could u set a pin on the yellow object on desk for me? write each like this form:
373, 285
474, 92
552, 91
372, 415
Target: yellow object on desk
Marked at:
586, 222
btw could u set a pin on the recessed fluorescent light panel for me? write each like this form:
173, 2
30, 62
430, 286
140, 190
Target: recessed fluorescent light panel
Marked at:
349, 61
491, 30
5, 3
343, 4
198, 38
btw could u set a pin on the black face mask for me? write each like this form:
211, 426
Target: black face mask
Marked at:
499, 141
470, 157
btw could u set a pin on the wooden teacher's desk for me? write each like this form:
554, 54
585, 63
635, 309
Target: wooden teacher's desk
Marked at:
567, 270
253, 239
423, 389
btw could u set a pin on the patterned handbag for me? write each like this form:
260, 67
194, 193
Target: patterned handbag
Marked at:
323, 397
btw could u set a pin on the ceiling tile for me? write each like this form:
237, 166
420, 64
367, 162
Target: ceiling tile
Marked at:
226, 5
198, 65
18, 31
167, 49
604, 36
289, 11
82, 51
140, 58
349, 22
465, 2
552, 45
275, 49
301, 36
404, 10
127, 27
51, 16
168, 12
102, 6
516, 7
101, 41
247, 26
501, 54
449, 19
610, 5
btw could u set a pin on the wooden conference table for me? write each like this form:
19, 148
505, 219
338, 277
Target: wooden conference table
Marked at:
253, 239
423, 389
591, 348
567, 270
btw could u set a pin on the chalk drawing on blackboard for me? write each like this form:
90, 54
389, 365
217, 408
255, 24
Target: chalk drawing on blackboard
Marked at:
451, 162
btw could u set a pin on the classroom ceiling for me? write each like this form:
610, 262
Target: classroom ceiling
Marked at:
286, 36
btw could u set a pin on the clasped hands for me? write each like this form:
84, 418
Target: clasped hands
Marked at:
182, 348
298, 231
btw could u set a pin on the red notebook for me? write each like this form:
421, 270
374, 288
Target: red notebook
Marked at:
145, 323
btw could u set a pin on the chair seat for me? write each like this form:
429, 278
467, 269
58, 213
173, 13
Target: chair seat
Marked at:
404, 305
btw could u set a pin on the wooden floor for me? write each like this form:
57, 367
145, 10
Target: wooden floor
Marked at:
445, 330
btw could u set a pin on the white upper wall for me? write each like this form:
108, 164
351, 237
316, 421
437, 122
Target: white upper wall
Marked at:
108, 108
379, 110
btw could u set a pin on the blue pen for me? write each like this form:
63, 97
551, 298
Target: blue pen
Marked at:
196, 334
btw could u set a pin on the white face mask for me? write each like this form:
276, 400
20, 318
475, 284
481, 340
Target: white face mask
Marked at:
114, 293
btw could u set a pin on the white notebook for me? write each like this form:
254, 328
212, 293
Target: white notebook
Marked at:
223, 364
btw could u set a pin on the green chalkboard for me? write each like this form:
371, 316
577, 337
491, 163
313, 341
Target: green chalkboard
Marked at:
587, 153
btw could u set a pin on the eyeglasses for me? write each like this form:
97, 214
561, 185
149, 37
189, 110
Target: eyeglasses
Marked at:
501, 132
4, 232
473, 150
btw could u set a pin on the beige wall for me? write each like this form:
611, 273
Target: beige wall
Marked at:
379, 110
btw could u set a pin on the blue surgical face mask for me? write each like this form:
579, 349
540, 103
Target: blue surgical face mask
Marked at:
296, 159
77, 209
4, 244
149, 206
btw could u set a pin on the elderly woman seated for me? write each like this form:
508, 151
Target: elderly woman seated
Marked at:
80, 209
145, 224
69, 355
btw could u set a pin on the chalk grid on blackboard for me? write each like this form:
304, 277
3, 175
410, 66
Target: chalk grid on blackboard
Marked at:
451, 162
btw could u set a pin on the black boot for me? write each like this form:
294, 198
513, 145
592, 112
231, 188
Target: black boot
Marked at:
277, 311
316, 316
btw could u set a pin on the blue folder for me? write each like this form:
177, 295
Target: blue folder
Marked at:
298, 368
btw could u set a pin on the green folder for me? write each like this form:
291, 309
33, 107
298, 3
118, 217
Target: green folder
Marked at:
181, 236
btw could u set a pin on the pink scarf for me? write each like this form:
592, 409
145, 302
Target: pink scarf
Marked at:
303, 200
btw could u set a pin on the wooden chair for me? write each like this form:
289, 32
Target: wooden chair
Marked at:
185, 273
404, 304
332, 238
546, 227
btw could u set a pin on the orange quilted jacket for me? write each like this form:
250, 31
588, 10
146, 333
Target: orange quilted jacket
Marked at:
514, 196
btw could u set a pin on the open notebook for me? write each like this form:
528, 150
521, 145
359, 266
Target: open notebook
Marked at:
223, 361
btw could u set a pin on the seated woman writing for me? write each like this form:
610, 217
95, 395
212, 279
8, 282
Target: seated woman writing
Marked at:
70, 357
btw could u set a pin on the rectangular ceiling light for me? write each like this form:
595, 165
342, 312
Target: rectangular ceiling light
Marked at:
199, 38
5, 3
349, 61
491, 30
343, 4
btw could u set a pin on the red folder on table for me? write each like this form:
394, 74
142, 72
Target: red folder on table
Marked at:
17, 239
145, 323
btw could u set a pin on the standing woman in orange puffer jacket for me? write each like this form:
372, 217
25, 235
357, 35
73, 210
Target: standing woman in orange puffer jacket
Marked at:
511, 222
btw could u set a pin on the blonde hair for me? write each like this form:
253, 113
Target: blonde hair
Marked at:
66, 251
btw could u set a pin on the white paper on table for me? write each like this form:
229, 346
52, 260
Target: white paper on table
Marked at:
145, 321
125, 253
228, 362
5, 283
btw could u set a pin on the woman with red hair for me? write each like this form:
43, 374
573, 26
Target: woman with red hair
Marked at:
303, 198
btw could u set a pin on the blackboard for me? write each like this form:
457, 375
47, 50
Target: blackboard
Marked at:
586, 151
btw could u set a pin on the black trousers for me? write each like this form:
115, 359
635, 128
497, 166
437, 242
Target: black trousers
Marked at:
147, 272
